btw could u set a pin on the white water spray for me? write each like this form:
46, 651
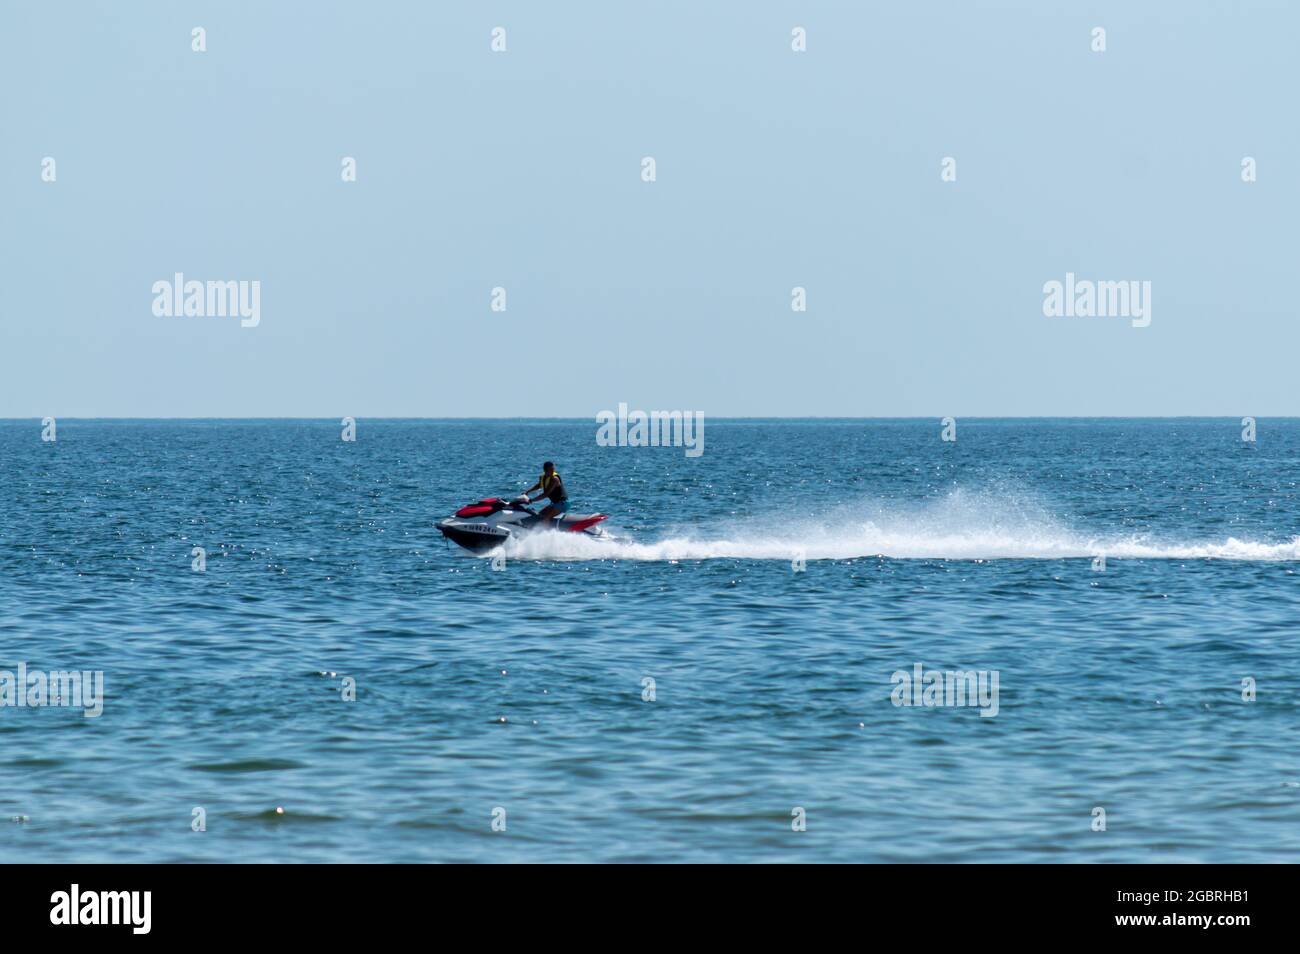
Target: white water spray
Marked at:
959, 526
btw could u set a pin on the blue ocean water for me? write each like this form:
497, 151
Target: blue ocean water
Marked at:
520, 694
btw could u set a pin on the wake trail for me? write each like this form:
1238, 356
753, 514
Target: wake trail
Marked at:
959, 526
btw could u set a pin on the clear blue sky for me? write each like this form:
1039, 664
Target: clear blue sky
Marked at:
522, 169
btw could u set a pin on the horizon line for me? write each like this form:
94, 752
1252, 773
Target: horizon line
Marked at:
724, 417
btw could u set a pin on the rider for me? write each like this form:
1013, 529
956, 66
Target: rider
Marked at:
552, 488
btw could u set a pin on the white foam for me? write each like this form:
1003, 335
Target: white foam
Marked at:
959, 526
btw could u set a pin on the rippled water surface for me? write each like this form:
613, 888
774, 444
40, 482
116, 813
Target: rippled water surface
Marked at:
522, 689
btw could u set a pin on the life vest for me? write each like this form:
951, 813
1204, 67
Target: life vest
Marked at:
543, 481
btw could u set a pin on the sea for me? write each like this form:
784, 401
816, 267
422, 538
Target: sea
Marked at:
763, 660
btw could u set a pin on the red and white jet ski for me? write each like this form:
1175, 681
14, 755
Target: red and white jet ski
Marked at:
492, 521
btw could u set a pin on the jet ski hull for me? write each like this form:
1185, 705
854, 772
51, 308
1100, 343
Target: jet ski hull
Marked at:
478, 538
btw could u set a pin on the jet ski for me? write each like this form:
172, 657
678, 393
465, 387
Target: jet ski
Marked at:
492, 521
